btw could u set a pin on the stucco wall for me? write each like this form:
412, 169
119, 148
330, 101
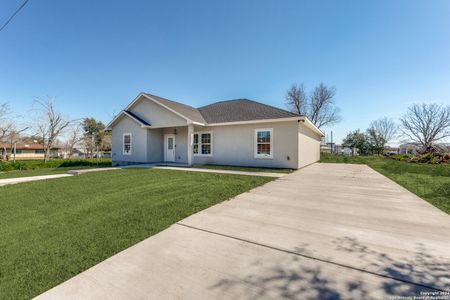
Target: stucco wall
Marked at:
308, 146
155, 145
157, 115
138, 142
234, 145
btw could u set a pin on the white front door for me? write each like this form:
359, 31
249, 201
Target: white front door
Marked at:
169, 147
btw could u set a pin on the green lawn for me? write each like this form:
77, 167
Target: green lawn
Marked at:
430, 182
52, 230
247, 169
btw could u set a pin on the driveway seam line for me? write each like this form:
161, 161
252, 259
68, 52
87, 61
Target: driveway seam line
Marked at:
311, 257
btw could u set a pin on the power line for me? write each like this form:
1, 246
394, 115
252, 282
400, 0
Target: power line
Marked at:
14, 14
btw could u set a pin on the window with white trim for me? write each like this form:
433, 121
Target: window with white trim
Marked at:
202, 143
264, 143
127, 144
195, 143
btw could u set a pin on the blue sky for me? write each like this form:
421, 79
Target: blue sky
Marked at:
96, 56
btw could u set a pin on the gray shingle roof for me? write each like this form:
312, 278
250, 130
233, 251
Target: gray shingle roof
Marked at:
241, 110
183, 109
226, 111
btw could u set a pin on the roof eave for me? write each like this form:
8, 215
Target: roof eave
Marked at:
123, 112
312, 126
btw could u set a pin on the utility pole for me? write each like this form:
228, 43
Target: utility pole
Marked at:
15, 144
331, 141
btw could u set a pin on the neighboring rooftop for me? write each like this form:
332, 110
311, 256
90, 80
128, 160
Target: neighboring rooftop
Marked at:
241, 110
20, 146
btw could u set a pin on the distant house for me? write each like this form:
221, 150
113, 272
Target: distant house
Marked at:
26, 151
241, 132
337, 149
409, 148
344, 150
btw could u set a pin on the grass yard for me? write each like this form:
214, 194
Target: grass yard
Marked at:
246, 169
430, 182
52, 230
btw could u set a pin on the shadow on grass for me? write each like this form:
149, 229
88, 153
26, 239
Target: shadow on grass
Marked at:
300, 277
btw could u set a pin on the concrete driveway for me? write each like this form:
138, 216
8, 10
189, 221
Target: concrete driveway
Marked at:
329, 231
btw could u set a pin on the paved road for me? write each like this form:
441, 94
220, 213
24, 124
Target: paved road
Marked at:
329, 231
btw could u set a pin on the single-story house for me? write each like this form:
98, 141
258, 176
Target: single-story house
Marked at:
237, 132
26, 151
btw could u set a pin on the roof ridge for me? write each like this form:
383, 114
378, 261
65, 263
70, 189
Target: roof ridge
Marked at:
250, 100
173, 101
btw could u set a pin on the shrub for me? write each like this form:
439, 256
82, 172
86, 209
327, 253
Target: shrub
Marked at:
401, 157
54, 163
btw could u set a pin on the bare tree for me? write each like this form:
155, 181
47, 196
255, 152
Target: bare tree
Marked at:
75, 137
296, 99
50, 125
385, 128
426, 123
319, 107
6, 127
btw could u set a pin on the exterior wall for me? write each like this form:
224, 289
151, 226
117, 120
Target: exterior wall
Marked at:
235, 145
308, 146
155, 145
138, 142
157, 115
294, 144
27, 154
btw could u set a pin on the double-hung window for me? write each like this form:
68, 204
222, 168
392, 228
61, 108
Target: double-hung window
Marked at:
264, 143
195, 143
127, 144
202, 143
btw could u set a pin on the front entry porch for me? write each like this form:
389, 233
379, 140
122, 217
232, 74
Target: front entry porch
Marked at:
176, 142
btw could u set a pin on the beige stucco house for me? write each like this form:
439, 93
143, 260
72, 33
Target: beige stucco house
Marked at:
24, 151
238, 132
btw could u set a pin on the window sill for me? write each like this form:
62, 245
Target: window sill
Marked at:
263, 157
205, 155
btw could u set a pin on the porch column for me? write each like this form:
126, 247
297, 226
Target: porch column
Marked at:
190, 137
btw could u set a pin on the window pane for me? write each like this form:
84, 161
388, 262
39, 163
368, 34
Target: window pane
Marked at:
206, 138
170, 143
127, 143
263, 137
195, 144
206, 149
264, 149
